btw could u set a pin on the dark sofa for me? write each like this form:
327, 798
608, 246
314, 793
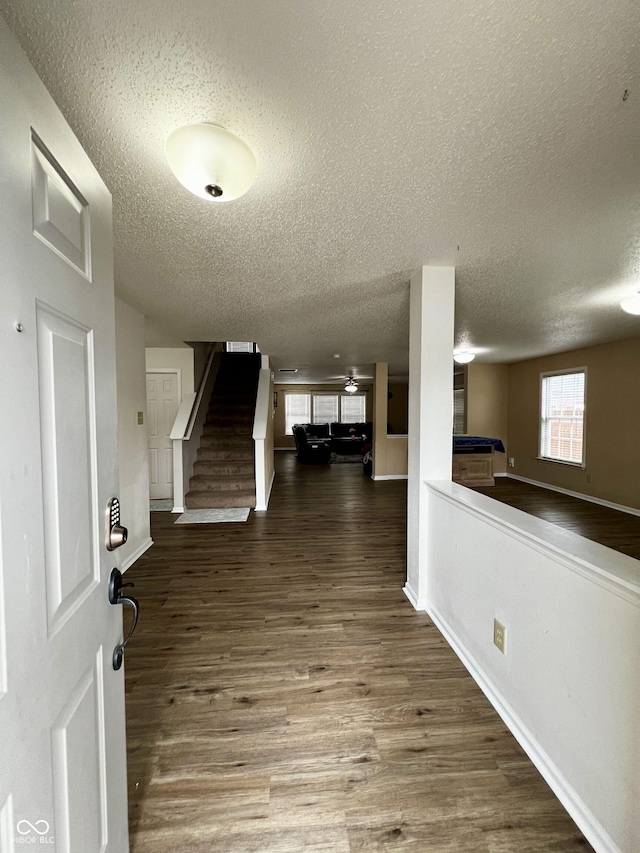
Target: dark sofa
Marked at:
315, 442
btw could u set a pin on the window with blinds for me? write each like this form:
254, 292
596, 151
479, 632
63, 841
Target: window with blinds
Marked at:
297, 410
353, 408
458, 411
562, 406
323, 408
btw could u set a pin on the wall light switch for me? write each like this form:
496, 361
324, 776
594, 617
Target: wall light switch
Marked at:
512, 462
500, 636
140, 418
588, 478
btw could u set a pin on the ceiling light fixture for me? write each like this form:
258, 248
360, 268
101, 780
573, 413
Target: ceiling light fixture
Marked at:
350, 386
631, 304
211, 162
463, 357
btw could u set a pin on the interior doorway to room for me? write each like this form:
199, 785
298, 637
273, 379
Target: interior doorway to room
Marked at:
163, 399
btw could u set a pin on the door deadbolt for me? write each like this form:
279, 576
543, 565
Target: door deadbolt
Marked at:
116, 533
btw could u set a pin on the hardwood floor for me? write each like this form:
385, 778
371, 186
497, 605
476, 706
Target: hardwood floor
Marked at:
610, 527
283, 696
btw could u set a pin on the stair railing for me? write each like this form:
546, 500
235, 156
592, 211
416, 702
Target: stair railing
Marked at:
263, 437
188, 427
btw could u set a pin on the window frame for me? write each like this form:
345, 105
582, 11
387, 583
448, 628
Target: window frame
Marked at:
564, 372
312, 394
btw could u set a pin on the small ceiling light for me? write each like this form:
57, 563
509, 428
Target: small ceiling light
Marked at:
631, 304
350, 386
336, 355
463, 357
211, 162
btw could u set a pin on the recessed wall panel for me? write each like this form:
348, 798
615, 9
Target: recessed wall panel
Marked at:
152, 418
153, 467
68, 430
168, 465
78, 745
60, 211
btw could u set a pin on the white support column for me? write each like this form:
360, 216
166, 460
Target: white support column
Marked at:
431, 317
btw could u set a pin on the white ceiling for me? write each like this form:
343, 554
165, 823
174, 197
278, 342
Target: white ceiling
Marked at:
387, 134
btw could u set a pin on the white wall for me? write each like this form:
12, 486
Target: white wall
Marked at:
172, 358
568, 686
132, 437
263, 435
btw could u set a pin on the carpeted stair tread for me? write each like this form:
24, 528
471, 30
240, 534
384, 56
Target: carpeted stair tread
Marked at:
220, 500
221, 483
228, 454
223, 467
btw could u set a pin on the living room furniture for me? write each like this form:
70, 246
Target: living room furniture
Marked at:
310, 451
472, 463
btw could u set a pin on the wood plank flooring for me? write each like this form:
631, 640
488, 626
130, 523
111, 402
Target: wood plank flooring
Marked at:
283, 696
612, 528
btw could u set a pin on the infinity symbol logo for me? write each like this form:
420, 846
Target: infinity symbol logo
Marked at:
41, 827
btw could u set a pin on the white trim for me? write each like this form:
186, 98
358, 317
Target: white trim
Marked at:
390, 477
397, 435
502, 474
417, 603
179, 509
545, 375
600, 501
266, 503
136, 554
577, 808
612, 570
285, 448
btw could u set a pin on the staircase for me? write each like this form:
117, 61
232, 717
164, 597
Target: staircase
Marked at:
223, 474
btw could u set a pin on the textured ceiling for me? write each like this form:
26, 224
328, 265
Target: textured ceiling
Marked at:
387, 135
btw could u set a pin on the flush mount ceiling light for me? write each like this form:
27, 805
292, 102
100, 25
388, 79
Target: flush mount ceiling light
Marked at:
631, 304
350, 386
211, 162
463, 357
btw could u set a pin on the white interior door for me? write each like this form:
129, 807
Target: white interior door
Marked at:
63, 765
163, 399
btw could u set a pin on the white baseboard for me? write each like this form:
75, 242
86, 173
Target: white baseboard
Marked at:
417, 603
285, 448
502, 474
390, 477
564, 791
136, 554
266, 503
179, 509
620, 507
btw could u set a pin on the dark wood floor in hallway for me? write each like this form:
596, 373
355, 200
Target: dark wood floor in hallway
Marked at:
284, 697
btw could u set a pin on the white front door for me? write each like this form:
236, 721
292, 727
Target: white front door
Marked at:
163, 399
62, 725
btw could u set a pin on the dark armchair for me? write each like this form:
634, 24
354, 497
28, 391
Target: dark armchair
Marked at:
310, 451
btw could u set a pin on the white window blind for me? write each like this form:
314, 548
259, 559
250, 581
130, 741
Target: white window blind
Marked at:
240, 346
458, 411
297, 410
353, 408
325, 408
562, 417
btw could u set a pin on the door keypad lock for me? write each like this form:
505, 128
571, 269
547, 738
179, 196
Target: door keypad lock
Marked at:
117, 596
116, 534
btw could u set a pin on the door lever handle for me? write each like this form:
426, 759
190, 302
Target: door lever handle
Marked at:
116, 597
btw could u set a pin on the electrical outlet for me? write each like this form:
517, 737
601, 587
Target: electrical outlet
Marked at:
512, 462
140, 418
500, 636
588, 478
